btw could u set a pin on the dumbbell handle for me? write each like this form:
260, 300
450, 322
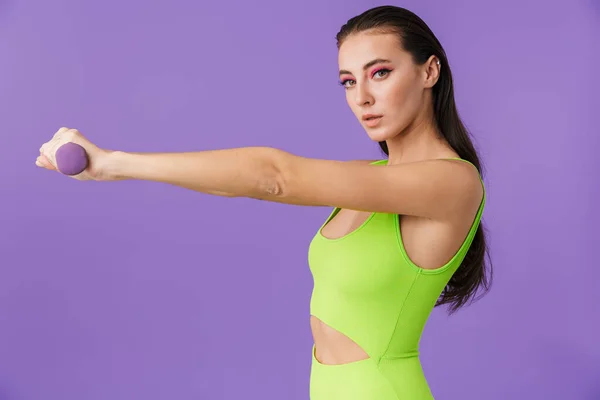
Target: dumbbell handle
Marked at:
71, 159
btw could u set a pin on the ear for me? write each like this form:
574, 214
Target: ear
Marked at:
432, 69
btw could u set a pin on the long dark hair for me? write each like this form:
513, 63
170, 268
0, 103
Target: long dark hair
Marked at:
418, 39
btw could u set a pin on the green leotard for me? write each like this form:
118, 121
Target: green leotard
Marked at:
367, 288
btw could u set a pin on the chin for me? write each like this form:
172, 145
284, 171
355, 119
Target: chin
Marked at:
379, 135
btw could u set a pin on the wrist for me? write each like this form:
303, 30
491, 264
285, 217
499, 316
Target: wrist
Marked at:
113, 167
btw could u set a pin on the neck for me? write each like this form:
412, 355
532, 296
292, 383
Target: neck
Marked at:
420, 141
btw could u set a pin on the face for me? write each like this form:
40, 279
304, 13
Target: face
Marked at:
380, 78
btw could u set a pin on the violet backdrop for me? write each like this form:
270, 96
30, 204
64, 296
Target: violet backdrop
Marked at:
137, 290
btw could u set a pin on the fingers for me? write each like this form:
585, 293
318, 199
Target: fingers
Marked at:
61, 130
43, 162
48, 149
47, 157
47, 152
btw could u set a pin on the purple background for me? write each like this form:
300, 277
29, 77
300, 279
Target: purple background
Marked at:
137, 290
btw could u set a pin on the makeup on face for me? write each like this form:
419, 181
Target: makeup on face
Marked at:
346, 76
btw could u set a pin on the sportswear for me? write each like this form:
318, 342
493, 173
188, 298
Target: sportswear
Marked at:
367, 288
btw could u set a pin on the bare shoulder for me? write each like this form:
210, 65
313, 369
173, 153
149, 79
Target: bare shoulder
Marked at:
468, 178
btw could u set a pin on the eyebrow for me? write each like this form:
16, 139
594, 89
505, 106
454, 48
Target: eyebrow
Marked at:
367, 65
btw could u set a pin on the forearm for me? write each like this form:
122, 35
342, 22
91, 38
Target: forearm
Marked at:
239, 172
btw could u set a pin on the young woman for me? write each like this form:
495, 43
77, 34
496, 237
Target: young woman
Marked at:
404, 235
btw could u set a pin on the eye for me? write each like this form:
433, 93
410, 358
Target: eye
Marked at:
383, 71
344, 82
380, 73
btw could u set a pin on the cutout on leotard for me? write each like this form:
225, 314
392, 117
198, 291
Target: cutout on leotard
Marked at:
339, 227
349, 351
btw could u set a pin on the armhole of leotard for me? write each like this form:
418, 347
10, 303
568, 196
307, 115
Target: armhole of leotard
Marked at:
465, 244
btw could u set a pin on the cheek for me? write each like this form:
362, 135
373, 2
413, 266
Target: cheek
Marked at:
403, 100
399, 93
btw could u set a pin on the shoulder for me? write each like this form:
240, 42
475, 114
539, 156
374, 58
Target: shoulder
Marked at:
468, 182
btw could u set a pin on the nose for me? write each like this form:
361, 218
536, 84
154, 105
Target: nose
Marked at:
362, 94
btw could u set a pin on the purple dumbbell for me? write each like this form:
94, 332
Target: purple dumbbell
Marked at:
71, 159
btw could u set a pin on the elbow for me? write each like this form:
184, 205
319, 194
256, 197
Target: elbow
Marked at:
273, 182
271, 189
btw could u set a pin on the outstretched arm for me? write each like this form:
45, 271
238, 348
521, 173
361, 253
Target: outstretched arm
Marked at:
429, 188
434, 188
239, 172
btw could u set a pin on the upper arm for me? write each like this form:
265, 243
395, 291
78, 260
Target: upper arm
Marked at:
431, 188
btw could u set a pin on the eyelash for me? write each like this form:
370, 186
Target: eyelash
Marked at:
343, 82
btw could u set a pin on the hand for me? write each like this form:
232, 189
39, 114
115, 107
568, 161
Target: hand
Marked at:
97, 157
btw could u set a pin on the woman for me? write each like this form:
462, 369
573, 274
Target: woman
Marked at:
405, 232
